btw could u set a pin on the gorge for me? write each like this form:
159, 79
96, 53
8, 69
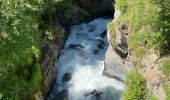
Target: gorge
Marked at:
81, 65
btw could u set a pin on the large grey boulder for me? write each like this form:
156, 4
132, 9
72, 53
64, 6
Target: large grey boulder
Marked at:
114, 67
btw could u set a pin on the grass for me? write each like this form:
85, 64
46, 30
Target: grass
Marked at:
167, 91
154, 97
135, 87
137, 44
166, 66
36, 77
112, 31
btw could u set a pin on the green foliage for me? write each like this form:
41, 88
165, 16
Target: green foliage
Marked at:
136, 87
137, 42
36, 77
112, 32
13, 87
166, 66
154, 97
21, 34
167, 91
19, 43
163, 25
122, 5
151, 16
18, 27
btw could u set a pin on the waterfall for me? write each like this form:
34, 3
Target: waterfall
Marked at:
81, 64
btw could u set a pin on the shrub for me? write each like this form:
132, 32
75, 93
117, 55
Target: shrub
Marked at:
167, 91
166, 66
136, 87
154, 97
36, 77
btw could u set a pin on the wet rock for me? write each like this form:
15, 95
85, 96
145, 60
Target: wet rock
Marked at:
96, 52
103, 34
63, 95
67, 77
113, 66
121, 50
101, 45
95, 94
49, 53
76, 46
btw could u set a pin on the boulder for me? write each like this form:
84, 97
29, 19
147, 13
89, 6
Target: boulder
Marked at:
67, 77
103, 34
121, 50
114, 67
76, 46
101, 45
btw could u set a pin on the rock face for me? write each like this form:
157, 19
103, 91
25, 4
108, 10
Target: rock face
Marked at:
121, 40
50, 52
76, 46
96, 7
113, 65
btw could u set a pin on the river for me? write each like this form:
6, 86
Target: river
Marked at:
81, 64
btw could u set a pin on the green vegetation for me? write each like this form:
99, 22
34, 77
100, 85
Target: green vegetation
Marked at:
149, 17
112, 32
167, 90
136, 87
154, 97
25, 27
166, 66
149, 28
36, 77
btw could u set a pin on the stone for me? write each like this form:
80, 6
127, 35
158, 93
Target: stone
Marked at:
122, 51
67, 77
76, 46
103, 34
113, 66
101, 45
96, 52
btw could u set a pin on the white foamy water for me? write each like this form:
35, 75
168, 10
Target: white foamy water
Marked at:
86, 67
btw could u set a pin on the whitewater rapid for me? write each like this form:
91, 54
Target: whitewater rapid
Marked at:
85, 63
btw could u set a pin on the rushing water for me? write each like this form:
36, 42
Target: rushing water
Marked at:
84, 60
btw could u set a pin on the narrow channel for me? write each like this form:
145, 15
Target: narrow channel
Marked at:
81, 64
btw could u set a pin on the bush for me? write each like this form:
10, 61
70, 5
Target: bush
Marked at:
36, 77
136, 87
154, 97
166, 66
167, 91
122, 5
